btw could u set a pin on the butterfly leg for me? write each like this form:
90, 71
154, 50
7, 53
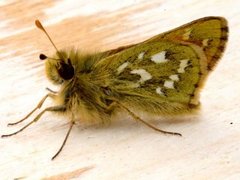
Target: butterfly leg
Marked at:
65, 139
144, 122
50, 90
37, 107
53, 108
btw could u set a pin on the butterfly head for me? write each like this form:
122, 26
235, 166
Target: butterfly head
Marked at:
58, 69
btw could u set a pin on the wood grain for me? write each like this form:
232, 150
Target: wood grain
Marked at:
209, 148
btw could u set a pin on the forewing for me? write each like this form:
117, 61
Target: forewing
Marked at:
169, 67
115, 51
209, 33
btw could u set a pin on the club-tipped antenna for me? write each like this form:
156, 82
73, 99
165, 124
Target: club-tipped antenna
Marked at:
43, 57
40, 26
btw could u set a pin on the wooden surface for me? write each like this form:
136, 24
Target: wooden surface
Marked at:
210, 146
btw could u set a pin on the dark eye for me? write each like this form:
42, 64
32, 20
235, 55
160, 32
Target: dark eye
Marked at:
66, 71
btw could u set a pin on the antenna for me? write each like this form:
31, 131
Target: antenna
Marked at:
40, 26
43, 57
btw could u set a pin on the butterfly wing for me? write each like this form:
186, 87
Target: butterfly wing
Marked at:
209, 33
115, 51
165, 73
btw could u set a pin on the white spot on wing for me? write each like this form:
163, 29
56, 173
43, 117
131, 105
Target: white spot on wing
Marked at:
205, 42
186, 35
140, 56
143, 73
159, 91
122, 67
169, 84
174, 77
159, 57
183, 65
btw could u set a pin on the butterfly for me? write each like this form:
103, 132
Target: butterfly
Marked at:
162, 76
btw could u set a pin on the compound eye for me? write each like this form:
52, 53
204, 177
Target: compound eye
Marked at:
66, 71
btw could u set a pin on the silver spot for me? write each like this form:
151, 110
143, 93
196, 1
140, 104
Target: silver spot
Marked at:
143, 73
183, 65
140, 56
205, 42
159, 57
187, 33
169, 84
159, 91
174, 77
122, 67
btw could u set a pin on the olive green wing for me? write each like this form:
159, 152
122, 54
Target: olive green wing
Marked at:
209, 33
166, 72
116, 50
